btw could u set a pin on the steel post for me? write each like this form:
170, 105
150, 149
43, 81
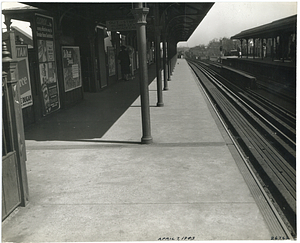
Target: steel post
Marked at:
140, 15
169, 70
160, 102
165, 63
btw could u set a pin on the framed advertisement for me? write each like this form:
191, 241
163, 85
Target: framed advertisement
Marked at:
71, 67
47, 63
111, 61
24, 77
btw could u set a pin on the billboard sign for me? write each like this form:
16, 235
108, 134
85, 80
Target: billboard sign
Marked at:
121, 25
24, 77
71, 67
47, 63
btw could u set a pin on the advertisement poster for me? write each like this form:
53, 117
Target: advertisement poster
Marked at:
24, 77
47, 63
71, 67
111, 61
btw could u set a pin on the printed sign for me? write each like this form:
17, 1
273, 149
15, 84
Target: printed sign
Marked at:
47, 63
71, 67
24, 77
44, 27
121, 25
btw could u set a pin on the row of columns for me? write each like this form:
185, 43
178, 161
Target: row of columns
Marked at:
140, 14
273, 46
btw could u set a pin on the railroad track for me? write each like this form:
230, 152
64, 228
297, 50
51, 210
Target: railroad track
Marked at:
288, 96
279, 123
265, 134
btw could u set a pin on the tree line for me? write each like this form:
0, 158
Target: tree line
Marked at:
215, 48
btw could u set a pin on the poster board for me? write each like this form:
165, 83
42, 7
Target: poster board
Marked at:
111, 61
47, 63
71, 67
24, 77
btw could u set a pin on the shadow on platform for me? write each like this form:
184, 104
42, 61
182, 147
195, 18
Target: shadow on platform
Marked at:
92, 117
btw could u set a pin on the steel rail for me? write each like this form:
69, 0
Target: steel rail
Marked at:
252, 109
246, 163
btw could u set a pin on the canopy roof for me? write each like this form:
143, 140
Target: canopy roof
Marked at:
179, 19
273, 29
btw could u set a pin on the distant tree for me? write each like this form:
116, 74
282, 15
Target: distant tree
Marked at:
213, 48
227, 45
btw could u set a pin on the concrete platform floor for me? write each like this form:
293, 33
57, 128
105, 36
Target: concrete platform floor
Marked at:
109, 187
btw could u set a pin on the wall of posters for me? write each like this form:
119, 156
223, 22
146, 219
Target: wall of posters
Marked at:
47, 63
24, 77
71, 67
111, 61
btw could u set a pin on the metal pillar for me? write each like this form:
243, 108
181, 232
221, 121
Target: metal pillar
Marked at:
272, 48
254, 46
241, 40
282, 43
160, 102
169, 61
169, 70
140, 15
247, 44
7, 22
261, 48
165, 63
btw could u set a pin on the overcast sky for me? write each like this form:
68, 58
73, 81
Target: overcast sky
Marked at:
226, 19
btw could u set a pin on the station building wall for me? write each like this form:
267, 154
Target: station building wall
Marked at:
96, 49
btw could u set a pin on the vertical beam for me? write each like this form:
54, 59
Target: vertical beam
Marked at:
169, 69
165, 62
95, 85
254, 48
241, 49
160, 102
281, 44
140, 15
261, 48
60, 75
272, 49
7, 22
117, 44
247, 44
169, 61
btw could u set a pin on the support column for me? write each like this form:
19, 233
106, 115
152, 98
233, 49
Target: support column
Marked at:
165, 63
261, 48
254, 46
169, 61
272, 49
140, 15
7, 22
94, 84
160, 102
247, 44
169, 70
281, 44
241, 48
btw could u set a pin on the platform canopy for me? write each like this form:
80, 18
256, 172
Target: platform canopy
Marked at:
276, 28
178, 20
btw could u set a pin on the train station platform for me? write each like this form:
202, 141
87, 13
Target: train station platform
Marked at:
91, 180
267, 60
